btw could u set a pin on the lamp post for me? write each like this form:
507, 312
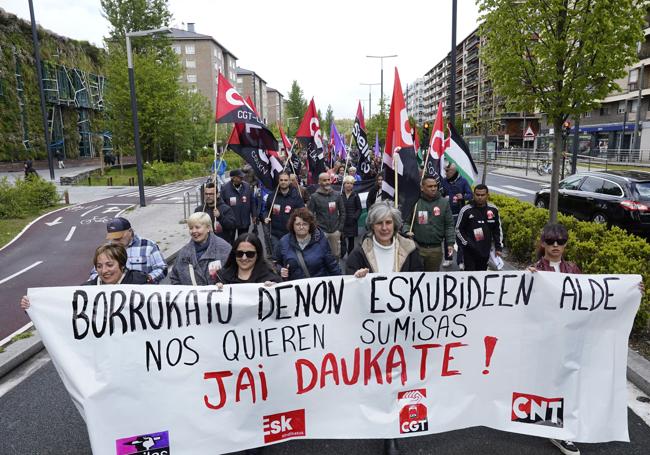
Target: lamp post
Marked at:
134, 105
369, 96
382, 57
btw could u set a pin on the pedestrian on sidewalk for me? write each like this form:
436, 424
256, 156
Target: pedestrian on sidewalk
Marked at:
59, 158
222, 217
479, 230
459, 192
201, 258
30, 172
329, 210
143, 254
433, 224
239, 196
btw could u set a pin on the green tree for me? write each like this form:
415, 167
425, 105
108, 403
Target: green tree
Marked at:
296, 107
558, 56
329, 119
131, 15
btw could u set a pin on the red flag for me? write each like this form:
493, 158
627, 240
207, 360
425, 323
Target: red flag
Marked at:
231, 107
310, 135
437, 142
285, 139
400, 141
362, 122
416, 138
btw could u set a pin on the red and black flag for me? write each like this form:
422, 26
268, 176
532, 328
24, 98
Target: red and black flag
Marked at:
360, 137
292, 156
232, 108
400, 154
265, 163
310, 136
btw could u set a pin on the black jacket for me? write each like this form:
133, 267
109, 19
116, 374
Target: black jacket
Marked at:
261, 273
241, 202
225, 223
130, 277
352, 213
282, 208
478, 227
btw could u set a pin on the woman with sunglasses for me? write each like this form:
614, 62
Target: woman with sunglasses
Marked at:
550, 251
246, 263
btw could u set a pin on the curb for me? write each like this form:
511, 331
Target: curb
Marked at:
638, 371
18, 352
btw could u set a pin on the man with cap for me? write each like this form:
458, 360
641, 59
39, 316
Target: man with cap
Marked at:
238, 195
222, 216
143, 254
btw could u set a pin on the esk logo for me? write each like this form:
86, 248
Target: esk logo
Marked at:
145, 444
537, 410
284, 425
413, 413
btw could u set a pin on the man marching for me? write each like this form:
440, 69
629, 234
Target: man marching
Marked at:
288, 199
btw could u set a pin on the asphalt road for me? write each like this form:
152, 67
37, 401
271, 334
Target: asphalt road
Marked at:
57, 249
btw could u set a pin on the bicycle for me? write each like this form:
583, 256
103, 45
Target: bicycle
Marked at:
544, 167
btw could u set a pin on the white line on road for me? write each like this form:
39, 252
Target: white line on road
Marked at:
504, 191
55, 222
91, 210
30, 225
4, 280
518, 188
72, 229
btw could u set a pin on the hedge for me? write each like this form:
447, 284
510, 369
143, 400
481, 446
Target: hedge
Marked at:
24, 197
594, 247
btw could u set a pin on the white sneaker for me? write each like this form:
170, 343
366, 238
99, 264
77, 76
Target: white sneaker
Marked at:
446, 263
461, 266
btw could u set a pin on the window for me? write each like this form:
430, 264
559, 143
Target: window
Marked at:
570, 183
240, 80
611, 188
189, 49
191, 78
622, 105
592, 185
176, 48
634, 106
190, 64
586, 114
604, 110
634, 78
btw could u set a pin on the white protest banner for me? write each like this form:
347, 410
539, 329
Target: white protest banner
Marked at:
192, 370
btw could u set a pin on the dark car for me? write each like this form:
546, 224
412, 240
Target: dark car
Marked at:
620, 198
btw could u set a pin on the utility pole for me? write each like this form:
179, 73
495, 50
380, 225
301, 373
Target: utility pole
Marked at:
452, 75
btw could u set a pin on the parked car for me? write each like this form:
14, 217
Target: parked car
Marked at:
620, 198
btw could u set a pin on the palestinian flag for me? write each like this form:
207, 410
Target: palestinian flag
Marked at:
310, 136
457, 152
361, 138
400, 154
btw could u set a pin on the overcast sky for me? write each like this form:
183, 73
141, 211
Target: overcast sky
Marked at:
322, 45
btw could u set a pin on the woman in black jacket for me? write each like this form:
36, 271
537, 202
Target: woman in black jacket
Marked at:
246, 263
352, 205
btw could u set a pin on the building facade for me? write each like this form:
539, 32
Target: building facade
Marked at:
249, 83
202, 58
275, 106
415, 100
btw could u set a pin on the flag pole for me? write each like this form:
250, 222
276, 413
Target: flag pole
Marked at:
347, 160
424, 170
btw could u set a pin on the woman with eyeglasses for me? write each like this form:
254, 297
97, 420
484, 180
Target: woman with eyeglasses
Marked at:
246, 263
550, 251
304, 252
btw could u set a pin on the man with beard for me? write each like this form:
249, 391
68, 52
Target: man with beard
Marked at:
238, 195
288, 199
329, 210
223, 220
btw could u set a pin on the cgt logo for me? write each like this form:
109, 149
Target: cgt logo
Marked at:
147, 444
413, 413
537, 410
285, 425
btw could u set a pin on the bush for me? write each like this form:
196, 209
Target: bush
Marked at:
159, 172
26, 197
593, 247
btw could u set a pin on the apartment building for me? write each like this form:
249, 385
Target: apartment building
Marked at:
249, 83
202, 58
275, 108
415, 100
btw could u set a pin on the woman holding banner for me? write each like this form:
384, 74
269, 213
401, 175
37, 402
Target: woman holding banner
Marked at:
246, 264
384, 250
110, 263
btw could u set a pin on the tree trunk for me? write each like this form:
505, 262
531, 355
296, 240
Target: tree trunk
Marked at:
557, 162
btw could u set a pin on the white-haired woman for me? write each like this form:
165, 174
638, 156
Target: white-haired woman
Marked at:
383, 250
197, 262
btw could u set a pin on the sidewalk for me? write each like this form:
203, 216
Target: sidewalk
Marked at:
163, 223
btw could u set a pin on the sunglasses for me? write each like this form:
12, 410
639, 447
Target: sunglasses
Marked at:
248, 254
559, 241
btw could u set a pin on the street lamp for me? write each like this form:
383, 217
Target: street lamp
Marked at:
381, 57
134, 105
369, 96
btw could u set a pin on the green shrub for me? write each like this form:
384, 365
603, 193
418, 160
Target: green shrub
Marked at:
593, 247
25, 197
159, 172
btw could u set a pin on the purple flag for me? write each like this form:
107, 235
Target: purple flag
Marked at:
376, 148
339, 144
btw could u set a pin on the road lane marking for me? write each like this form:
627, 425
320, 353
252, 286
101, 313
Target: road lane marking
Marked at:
30, 225
504, 191
4, 280
55, 222
86, 213
72, 229
518, 188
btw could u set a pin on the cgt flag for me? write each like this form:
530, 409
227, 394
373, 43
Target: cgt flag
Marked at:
361, 138
231, 106
310, 135
457, 152
437, 143
292, 156
265, 163
399, 154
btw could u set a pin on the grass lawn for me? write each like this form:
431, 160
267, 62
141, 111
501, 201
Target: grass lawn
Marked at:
9, 228
120, 178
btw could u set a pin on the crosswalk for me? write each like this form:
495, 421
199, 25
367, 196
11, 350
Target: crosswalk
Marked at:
512, 190
170, 193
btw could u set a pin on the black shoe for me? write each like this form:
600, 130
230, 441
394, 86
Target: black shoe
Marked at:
566, 447
390, 447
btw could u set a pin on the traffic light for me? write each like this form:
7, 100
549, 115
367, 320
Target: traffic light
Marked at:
425, 135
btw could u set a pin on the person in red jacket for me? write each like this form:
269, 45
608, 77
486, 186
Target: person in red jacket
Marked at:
550, 252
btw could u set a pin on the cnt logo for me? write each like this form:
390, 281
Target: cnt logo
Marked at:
284, 425
413, 413
538, 410
145, 444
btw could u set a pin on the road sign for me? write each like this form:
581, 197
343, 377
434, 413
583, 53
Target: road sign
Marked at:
529, 135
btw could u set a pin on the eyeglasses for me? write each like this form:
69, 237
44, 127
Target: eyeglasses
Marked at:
559, 241
248, 254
